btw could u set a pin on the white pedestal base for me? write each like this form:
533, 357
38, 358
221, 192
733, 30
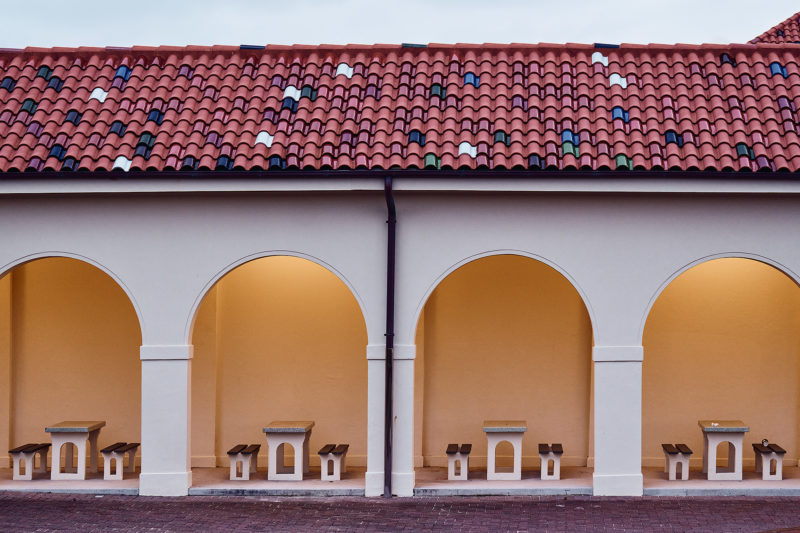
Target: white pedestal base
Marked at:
463, 466
545, 471
29, 459
710, 443
277, 469
77, 440
249, 464
339, 466
495, 438
763, 461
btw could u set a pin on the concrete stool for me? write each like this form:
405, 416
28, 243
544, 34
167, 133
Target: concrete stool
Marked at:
678, 454
28, 453
330, 454
460, 456
117, 452
244, 457
549, 453
765, 454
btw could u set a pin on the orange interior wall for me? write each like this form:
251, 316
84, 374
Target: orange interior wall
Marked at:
75, 351
722, 342
505, 337
290, 344
204, 383
5, 368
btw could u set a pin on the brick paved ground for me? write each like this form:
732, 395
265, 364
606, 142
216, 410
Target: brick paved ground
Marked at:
85, 513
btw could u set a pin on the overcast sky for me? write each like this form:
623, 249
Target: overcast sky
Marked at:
206, 22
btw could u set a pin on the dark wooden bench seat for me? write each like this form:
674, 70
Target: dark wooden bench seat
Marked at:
114, 447
464, 449
328, 448
770, 448
670, 449
673, 449
340, 449
29, 448
684, 449
556, 448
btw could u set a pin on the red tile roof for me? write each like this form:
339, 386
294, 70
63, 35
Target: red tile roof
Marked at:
721, 107
787, 31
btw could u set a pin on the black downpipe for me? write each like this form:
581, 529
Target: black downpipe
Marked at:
389, 384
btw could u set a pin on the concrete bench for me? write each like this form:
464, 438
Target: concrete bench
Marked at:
551, 454
244, 461
333, 461
675, 455
766, 453
458, 457
25, 456
116, 453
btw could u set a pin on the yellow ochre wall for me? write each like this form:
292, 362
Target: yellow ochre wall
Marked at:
505, 337
722, 342
73, 351
288, 342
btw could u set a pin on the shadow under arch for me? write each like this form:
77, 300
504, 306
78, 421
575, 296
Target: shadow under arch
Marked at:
491, 253
190, 321
8, 267
724, 255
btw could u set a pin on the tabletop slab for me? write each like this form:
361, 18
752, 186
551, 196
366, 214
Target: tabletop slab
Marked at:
723, 426
75, 426
505, 426
289, 426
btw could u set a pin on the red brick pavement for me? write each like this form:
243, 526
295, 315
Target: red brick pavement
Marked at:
86, 513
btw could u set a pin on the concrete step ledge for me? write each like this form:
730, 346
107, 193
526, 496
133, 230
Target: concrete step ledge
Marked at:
115, 491
322, 493
488, 491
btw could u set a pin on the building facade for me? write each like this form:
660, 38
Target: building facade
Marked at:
194, 242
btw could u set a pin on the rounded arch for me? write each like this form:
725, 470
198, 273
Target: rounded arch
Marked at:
84, 259
260, 255
724, 255
555, 266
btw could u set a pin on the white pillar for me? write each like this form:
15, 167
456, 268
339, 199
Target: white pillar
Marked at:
376, 379
617, 420
403, 431
166, 416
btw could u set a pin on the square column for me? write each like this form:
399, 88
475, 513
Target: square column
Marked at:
617, 420
403, 477
166, 419
376, 375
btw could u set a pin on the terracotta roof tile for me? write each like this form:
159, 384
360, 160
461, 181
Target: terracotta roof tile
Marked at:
443, 106
787, 31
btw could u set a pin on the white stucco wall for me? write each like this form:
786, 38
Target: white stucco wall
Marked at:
619, 250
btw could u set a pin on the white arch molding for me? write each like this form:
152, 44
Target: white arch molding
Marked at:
724, 255
490, 253
8, 267
260, 255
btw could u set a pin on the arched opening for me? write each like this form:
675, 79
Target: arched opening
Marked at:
721, 342
504, 456
503, 337
278, 338
69, 350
